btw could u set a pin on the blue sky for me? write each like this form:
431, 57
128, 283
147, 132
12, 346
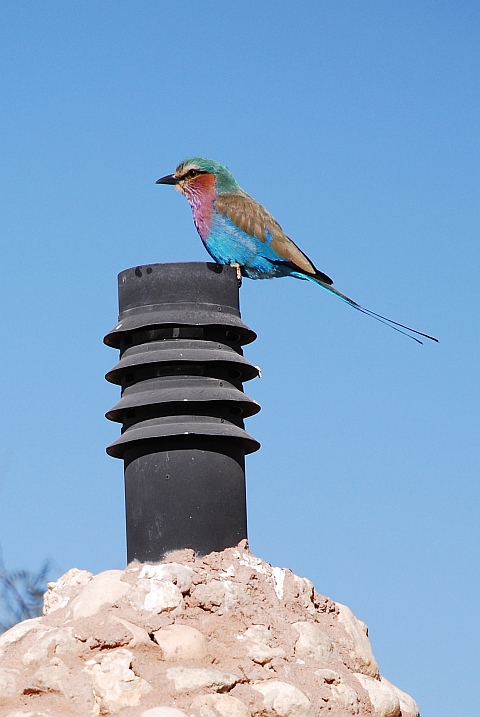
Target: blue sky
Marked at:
356, 125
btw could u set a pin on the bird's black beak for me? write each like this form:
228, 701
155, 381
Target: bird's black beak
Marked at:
168, 179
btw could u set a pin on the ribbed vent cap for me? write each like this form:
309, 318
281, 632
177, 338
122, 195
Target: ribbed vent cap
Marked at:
209, 299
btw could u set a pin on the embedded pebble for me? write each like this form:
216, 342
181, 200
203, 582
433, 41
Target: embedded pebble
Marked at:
180, 575
15, 633
57, 595
220, 705
181, 642
50, 678
283, 699
259, 648
209, 596
340, 692
59, 640
104, 588
329, 676
139, 635
408, 706
193, 678
114, 683
313, 642
8, 682
361, 654
155, 595
345, 696
383, 698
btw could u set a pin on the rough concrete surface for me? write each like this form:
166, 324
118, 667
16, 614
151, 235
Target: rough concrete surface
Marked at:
225, 635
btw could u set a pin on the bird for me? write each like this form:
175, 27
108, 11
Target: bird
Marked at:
237, 230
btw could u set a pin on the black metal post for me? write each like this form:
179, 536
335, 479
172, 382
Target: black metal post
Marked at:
182, 407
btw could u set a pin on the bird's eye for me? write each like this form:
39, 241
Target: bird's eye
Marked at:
192, 172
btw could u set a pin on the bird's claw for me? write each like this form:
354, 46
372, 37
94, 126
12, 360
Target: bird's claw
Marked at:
239, 273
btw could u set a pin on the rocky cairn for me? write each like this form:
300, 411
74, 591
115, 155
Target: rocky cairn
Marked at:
226, 635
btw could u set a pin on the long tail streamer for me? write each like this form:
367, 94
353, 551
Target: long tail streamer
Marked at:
383, 319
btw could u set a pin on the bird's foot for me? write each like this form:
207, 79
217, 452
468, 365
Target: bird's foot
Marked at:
239, 272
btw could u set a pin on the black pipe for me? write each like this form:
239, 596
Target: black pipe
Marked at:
182, 407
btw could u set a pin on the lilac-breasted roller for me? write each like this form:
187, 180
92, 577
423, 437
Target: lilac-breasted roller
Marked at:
239, 231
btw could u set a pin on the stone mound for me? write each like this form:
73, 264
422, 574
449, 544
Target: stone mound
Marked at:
225, 635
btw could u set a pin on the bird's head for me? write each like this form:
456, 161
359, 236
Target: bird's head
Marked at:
199, 176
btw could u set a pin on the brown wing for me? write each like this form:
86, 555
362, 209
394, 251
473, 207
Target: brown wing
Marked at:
249, 216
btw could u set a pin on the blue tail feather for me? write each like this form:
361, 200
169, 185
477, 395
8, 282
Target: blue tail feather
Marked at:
382, 319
